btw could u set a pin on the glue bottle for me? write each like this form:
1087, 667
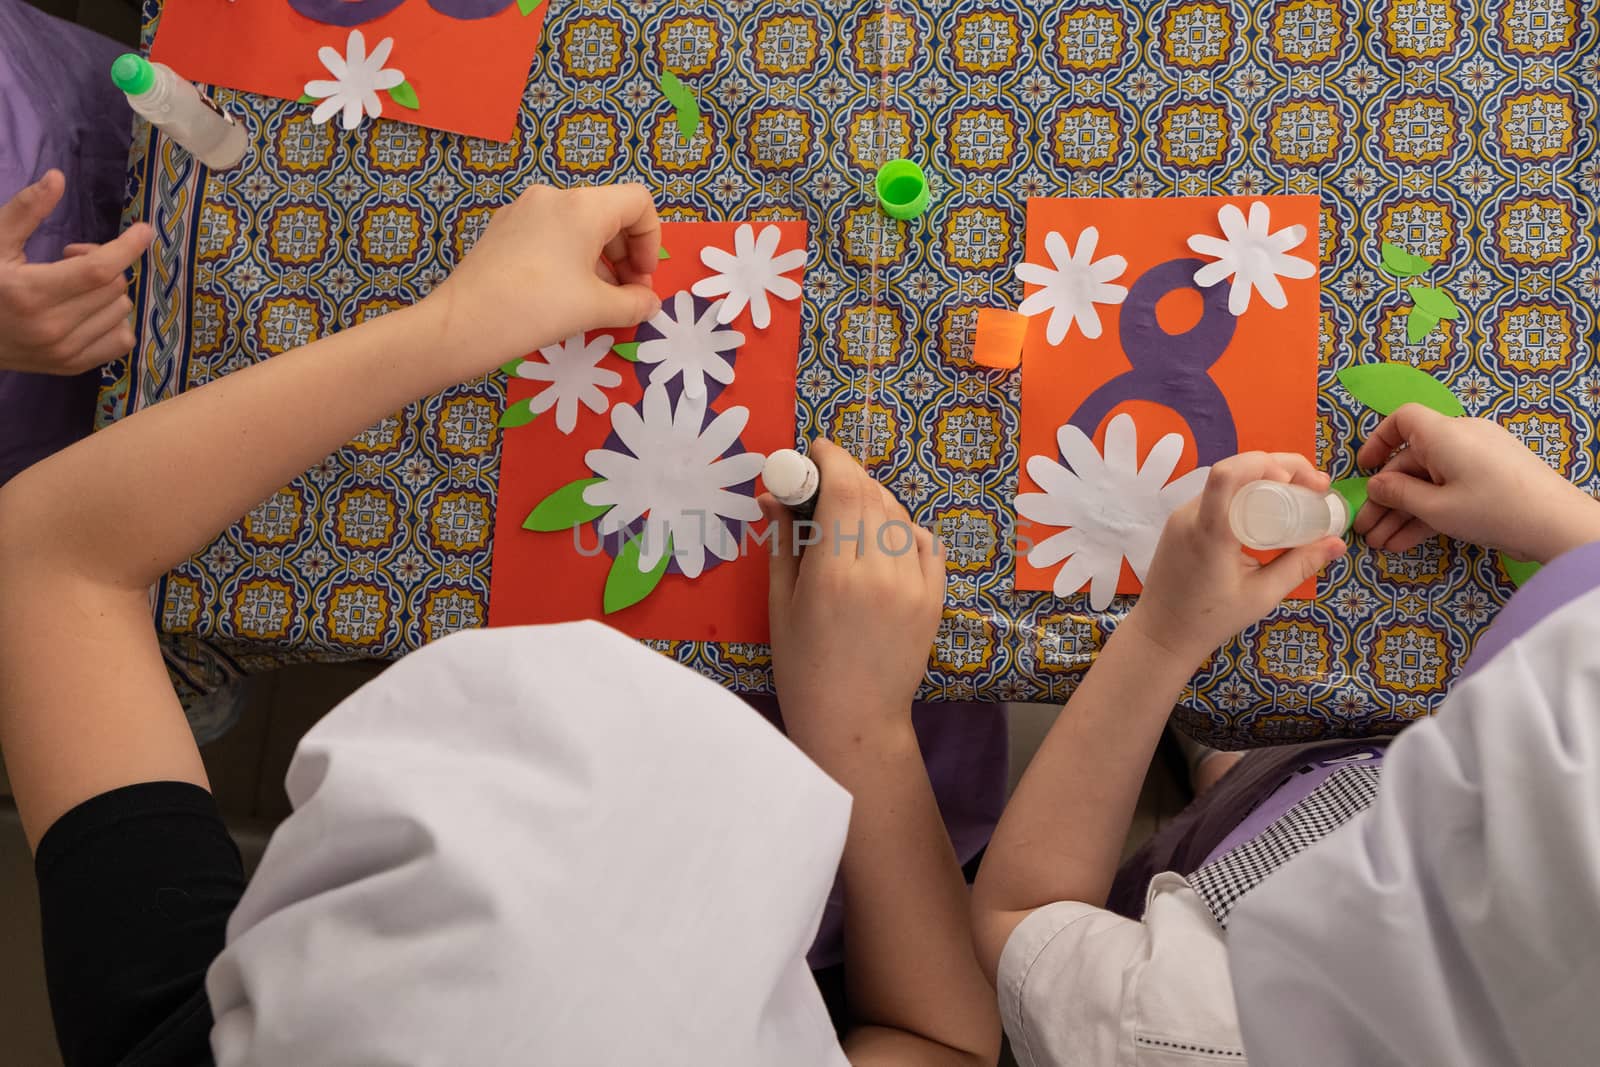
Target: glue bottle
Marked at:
1279, 515
174, 105
794, 480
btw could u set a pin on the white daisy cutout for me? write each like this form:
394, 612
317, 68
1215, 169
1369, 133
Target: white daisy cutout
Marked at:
1074, 287
570, 368
357, 77
677, 479
1255, 257
747, 276
1114, 508
689, 346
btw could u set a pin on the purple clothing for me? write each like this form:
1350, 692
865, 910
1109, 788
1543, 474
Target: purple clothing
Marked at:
967, 754
58, 109
1302, 783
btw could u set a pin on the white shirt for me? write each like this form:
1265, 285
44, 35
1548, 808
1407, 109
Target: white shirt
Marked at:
1082, 985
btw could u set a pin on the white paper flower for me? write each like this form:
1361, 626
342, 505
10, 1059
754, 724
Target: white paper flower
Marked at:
1074, 287
689, 346
570, 368
677, 479
1253, 256
1115, 508
357, 77
750, 274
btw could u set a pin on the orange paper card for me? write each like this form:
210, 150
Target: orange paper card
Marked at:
464, 63
627, 490
1165, 335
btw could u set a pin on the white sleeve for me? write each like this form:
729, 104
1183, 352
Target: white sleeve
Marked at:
1081, 985
1457, 920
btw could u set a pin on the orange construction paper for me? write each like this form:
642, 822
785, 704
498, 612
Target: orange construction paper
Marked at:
542, 577
997, 338
1267, 373
469, 74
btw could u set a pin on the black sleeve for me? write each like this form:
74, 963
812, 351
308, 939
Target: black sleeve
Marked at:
135, 890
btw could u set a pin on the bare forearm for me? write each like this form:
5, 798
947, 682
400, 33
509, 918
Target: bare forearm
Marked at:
128, 503
1062, 833
908, 945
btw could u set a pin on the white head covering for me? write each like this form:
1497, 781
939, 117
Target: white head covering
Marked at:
539, 845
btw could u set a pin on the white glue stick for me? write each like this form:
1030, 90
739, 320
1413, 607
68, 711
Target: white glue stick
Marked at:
174, 105
1279, 515
794, 480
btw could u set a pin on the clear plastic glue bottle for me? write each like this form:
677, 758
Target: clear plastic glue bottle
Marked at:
1279, 515
155, 91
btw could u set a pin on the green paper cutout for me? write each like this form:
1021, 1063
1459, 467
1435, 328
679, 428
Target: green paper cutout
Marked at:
528, 7
628, 350
625, 585
404, 95
519, 414
1435, 302
1383, 387
565, 508
1403, 264
662, 253
307, 98
1419, 324
1518, 570
1354, 492
687, 107
509, 367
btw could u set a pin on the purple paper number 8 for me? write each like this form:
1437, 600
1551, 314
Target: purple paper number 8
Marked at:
357, 12
1172, 369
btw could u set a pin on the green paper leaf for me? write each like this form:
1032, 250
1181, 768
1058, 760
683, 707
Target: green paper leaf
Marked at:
307, 98
625, 585
1518, 570
1383, 387
1419, 324
1354, 492
1435, 302
528, 7
628, 350
518, 414
662, 253
565, 508
683, 101
509, 367
404, 95
1403, 264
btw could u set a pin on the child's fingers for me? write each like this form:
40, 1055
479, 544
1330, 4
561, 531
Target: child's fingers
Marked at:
784, 568
21, 215
1300, 470
839, 508
1281, 576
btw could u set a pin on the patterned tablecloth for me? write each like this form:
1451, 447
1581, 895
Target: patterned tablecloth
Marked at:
1464, 131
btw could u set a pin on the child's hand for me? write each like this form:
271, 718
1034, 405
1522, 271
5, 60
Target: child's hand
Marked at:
1472, 480
1202, 589
853, 618
552, 263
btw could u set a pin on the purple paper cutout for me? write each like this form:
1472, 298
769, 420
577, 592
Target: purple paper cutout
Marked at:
1172, 369
345, 13
349, 13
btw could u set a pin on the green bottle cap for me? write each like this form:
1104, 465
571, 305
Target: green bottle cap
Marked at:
133, 74
902, 189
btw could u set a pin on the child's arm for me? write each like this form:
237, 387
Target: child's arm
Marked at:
1062, 833
852, 622
85, 702
1470, 479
